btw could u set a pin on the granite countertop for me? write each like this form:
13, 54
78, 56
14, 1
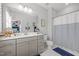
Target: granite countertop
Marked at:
20, 35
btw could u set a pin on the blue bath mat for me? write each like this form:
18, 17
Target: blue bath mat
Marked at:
62, 52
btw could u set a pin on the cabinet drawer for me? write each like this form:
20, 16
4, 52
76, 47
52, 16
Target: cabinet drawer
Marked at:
21, 40
7, 42
22, 44
32, 38
25, 39
40, 42
40, 37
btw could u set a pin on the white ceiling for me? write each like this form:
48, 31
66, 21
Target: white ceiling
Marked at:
55, 6
35, 7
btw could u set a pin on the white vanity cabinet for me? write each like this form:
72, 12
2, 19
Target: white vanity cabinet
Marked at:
27, 46
7, 48
32, 43
41, 46
30, 46
22, 47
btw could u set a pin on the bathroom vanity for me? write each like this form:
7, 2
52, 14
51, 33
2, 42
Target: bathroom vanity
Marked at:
22, 45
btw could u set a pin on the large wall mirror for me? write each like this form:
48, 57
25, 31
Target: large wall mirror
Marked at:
17, 18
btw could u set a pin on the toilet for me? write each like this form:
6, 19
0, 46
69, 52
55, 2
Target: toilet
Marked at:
48, 42
48, 51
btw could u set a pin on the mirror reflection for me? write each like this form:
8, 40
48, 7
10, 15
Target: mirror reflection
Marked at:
23, 18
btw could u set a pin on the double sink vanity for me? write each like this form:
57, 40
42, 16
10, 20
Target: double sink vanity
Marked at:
21, 44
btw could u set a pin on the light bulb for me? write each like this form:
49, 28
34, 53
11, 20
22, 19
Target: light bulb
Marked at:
29, 10
20, 7
25, 9
66, 3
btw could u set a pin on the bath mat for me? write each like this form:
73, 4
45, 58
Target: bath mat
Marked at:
62, 52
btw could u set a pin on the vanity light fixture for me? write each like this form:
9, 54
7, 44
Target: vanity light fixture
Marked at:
25, 9
20, 7
66, 3
29, 10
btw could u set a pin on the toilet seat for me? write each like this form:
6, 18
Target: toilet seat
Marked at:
49, 44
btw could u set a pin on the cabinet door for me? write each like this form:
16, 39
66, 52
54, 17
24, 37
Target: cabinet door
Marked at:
7, 48
33, 46
41, 46
22, 48
7, 51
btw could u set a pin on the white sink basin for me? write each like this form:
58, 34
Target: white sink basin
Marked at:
24, 34
18, 34
33, 33
28, 33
